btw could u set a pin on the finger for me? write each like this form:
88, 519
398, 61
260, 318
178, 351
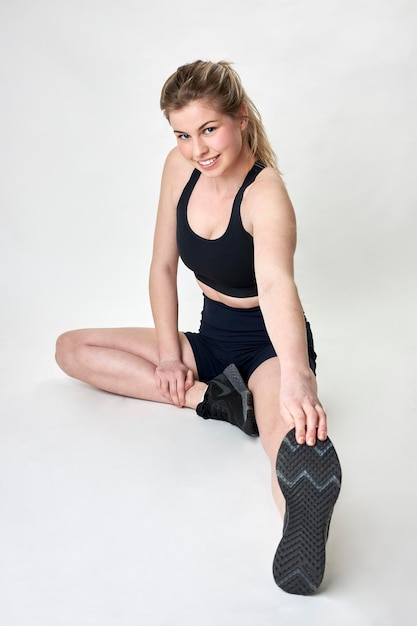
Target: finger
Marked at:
165, 390
189, 381
312, 421
158, 381
287, 417
173, 390
300, 425
162, 386
322, 425
180, 391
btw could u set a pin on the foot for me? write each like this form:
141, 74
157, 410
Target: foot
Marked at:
310, 479
228, 399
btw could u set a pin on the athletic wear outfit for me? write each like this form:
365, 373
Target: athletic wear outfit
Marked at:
231, 344
225, 263
227, 334
232, 335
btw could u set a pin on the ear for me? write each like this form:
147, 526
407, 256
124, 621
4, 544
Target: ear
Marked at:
243, 115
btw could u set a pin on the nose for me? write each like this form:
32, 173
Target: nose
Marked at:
199, 148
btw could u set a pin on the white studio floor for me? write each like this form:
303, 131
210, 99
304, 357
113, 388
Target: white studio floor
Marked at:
119, 512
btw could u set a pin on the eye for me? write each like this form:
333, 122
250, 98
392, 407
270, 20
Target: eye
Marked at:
183, 136
209, 130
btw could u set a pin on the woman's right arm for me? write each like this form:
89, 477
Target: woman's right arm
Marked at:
172, 377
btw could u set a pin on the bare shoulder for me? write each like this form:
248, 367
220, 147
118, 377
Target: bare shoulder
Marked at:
176, 173
267, 196
268, 181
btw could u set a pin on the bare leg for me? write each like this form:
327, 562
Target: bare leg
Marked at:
265, 386
121, 361
310, 494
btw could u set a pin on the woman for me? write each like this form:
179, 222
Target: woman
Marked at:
225, 210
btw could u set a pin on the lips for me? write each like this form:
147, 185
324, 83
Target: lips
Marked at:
208, 162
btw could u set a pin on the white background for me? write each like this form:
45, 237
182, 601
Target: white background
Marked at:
121, 512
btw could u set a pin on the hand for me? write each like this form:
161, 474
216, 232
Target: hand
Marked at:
173, 379
300, 407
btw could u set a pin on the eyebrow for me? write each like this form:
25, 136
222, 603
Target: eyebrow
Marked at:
182, 132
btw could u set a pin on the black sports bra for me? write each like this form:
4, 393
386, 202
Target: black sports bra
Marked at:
226, 263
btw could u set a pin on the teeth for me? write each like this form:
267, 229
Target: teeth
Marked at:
209, 162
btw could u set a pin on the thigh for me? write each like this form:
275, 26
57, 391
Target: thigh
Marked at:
265, 384
142, 342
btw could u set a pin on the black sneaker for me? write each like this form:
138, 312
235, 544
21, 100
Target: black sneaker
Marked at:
228, 399
310, 478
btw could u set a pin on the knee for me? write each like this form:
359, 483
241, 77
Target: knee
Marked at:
271, 435
65, 350
269, 440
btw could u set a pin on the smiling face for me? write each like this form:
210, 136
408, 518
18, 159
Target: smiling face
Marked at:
210, 140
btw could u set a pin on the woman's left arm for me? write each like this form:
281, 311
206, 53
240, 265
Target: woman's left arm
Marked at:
274, 233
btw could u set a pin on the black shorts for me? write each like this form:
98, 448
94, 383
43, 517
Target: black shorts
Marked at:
232, 335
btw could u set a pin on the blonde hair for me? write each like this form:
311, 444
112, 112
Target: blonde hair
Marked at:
220, 84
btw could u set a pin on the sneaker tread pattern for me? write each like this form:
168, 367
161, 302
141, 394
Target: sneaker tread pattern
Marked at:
310, 480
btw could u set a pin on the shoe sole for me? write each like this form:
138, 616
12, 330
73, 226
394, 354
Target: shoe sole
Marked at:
310, 478
249, 425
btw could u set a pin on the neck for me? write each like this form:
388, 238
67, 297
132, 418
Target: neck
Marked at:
232, 179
